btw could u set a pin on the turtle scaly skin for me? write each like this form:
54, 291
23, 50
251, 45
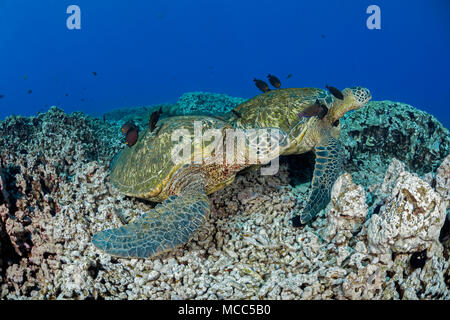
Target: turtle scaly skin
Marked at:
169, 224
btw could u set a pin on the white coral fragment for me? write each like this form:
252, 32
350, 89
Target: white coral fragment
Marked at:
348, 207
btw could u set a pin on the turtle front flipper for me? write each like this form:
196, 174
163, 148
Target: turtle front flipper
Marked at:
166, 226
329, 163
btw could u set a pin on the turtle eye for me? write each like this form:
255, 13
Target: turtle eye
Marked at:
336, 123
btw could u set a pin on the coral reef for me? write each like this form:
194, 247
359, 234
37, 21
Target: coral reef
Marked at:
55, 194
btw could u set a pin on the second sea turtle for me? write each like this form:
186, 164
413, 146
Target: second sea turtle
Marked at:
281, 108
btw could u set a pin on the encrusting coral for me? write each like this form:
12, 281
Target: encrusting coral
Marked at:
384, 130
55, 194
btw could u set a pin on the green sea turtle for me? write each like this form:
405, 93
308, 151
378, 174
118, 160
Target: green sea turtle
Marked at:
150, 170
280, 108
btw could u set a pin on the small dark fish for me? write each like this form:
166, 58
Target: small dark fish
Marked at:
132, 137
261, 85
66, 94
335, 92
94, 73
418, 259
324, 111
317, 109
1, 96
128, 126
289, 76
323, 36
82, 99
104, 118
236, 113
274, 81
154, 117
30, 91
24, 77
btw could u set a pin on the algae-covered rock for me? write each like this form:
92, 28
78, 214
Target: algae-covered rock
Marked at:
203, 102
384, 130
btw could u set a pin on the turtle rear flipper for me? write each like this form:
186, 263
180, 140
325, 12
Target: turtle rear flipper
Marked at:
329, 163
166, 226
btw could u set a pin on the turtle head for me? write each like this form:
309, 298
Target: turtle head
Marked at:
359, 95
354, 98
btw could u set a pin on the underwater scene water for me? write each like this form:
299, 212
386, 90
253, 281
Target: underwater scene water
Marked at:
211, 150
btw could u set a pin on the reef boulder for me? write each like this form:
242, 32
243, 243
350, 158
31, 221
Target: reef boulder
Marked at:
384, 130
411, 217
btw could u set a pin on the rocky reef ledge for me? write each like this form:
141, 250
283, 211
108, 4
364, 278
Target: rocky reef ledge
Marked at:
384, 235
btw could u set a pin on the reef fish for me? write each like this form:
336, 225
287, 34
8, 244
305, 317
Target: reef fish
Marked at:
335, 92
132, 137
1, 96
261, 85
317, 109
418, 259
274, 81
127, 126
154, 117
30, 91
94, 73
289, 76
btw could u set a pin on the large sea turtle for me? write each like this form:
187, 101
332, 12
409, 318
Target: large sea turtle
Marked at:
280, 108
150, 170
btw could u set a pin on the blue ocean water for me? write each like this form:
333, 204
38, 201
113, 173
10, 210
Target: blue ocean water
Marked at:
149, 52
